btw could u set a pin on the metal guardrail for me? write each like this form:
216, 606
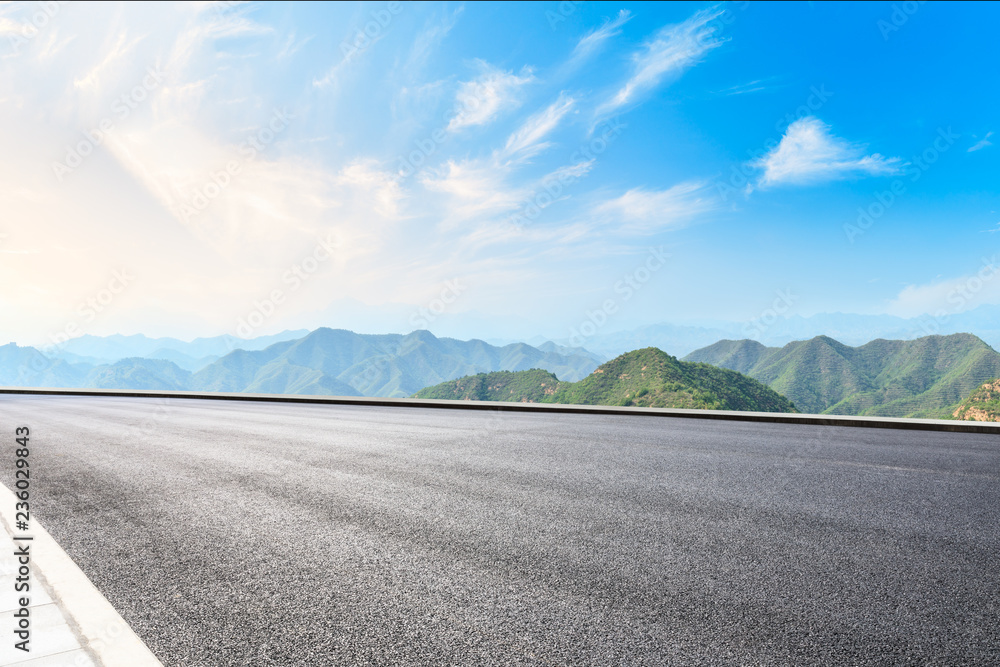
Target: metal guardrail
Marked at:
727, 415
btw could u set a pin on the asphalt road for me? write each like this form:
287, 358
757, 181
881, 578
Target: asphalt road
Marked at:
231, 533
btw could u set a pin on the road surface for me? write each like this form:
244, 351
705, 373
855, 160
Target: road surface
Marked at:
233, 533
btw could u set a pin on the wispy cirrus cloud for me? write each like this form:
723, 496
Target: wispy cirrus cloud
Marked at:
206, 28
472, 189
291, 46
593, 41
121, 48
378, 186
640, 210
488, 190
809, 152
982, 143
950, 295
482, 99
430, 39
52, 45
527, 140
11, 27
754, 86
674, 49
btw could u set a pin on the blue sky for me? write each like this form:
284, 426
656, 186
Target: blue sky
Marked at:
490, 170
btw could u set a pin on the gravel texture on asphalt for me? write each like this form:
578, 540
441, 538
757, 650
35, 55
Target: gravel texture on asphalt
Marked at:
231, 533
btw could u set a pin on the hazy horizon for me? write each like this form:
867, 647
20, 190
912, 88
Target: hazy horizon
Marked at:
773, 329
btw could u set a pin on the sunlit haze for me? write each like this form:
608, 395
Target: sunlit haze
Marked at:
491, 171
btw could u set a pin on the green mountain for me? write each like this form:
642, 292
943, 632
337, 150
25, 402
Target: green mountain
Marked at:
339, 362
983, 405
138, 373
645, 378
108, 349
325, 362
925, 377
531, 386
27, 367
279, 369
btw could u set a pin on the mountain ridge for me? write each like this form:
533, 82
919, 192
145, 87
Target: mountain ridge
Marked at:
923, 377
855, 329
325, 361
645, 378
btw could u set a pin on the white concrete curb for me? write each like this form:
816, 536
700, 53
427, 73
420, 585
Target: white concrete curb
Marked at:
103, 631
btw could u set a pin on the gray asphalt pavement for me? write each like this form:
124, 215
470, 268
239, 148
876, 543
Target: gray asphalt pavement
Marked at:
230, 533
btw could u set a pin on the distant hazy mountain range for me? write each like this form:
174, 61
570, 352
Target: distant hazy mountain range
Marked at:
326, 361
191, 356
850, 329
926, 377
645, 378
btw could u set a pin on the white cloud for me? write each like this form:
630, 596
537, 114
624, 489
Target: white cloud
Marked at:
380, 187
482, 99
809, 153
11, 27
123, 205
198, 272
952, 295
982, 143
473, 189
754, 86
571, 172
527, 140
291, 46
52, 46
488, 191
355, 47
430, 39
480, 201
121, 48
592, 42
204, 28
645, 211
674, 49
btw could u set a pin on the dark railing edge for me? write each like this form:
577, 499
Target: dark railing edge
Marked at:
772, 417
